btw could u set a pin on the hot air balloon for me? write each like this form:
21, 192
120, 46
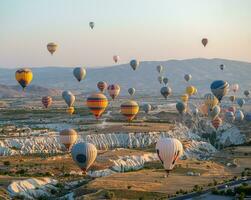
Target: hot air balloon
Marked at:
165, 80
204, 41
214, 112
169, 150
232, 98
210, 100
70, 110
166, 91
68, 137
246, 93
69, 98
229, 116
129, 109
216, 122
91, 24
159, 68
102, 86
222, 67
195, 111
134, 64
240, 102
160, 79
116, 58
131, 91
239, 116
97, 104
52, 47
113, 90
24, 77
219, 88
190, 90
47, 101
84, 154
188, 77
79, 73
235, 87
147, 108
184, 98
181, 107
248, 117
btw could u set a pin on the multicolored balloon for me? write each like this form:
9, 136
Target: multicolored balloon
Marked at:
210, 100
240, 102
129, 109
217, 122
147, 108
113, 90
190, 90
97, 104
69, 98
219, 88
232, 98
184, 98
235, 87
246, 93
229, 116
131, 91
47, 101
24, 77
68, 137
160, 79
214, 112
102, 86
239, 116
70, 110
188, 77
181, 107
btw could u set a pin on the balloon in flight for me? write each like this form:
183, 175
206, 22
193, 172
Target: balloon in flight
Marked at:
219, 88
169, 150
68, 137
129, 109
131, 91
188, 77
147, 108
24, 77
115, 58
166, 91
52, 47
84, 154
165, 80
204, 41
91, 24
97, 104
70, 110
210, 100
69, 98
79, 73
113, 90
102, 86
159, 68
240, 102
216, 122
181, 107
47, 101
134, 64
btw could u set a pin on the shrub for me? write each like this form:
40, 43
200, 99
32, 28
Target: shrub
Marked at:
6, 163
229, 192
215, 191
109, 195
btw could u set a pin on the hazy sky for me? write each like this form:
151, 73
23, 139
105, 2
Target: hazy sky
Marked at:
143, 29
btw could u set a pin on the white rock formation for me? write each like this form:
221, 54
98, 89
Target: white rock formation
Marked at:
32, 188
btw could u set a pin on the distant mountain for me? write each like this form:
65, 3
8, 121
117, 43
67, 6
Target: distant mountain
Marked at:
33, 90
144, 79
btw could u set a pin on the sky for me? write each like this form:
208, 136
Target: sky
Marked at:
141, 29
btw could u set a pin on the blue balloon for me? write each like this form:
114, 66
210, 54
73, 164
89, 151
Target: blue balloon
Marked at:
248, 117
219, 88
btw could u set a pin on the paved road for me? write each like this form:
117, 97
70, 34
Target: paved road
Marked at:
219, 187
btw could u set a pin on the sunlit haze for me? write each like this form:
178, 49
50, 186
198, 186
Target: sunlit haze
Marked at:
143, 29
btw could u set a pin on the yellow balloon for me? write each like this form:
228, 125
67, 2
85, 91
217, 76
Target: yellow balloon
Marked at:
210, 100
70, 110
129, 109
24, 77
184, 97
190, 90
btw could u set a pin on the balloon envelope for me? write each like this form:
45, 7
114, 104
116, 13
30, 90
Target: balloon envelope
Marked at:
165, 80
52, 47
68, 137
188, 77
113, 90
147, 108
204, 41
102, 86
84, 154
129, 109
239, 116
169, 150
91, 24
69, 98
79, 73
134, 64
131, 91
181, 107
210, 100
47, 101
240, 102
159, 68
116, 58
219, 88
24, 77
97, 104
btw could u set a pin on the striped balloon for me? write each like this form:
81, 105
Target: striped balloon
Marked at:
47, 101
97, 104
210, 100
68, 137
216, 122
219, 88
102, 86
129, 109
24, 77
113, 90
